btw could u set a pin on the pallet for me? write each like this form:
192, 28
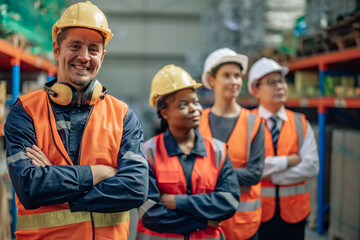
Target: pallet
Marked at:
314, 44
19, 41
352, 39
342, 35
283, 59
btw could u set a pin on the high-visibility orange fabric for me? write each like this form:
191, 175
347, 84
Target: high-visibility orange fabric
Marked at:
293, 208
171, 179
243, 224
105, 122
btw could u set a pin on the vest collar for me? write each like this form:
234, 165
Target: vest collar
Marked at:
173, 149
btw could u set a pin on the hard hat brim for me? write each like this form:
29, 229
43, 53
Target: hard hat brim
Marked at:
153, 99
107, 35
282, 70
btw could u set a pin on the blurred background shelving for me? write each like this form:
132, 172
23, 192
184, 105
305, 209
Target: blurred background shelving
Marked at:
319, 40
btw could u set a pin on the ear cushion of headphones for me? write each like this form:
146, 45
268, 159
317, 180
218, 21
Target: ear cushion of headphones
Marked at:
92, 93
66, 94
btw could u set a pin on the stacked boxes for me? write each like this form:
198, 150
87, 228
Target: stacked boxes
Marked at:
306, 84
345, 185
2, 102
313, 183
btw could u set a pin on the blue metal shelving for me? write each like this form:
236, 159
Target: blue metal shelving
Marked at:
333, 63
14, 58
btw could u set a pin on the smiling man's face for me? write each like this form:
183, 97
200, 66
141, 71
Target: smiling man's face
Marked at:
80, 56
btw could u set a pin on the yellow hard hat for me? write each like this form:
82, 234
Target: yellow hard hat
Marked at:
170, 79
86, 15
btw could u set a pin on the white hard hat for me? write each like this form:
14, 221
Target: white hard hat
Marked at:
220, 56
261, 68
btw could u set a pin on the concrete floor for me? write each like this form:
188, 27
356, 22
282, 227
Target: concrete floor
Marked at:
312, 235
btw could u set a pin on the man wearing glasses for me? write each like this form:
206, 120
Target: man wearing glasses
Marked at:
291, 155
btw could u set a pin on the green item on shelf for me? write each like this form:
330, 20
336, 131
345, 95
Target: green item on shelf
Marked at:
32, 20
290, 38
329, 86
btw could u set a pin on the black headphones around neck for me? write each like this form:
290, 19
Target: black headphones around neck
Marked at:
65, 94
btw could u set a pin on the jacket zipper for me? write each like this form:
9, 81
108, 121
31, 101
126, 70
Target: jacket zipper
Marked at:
53, 137
86, 123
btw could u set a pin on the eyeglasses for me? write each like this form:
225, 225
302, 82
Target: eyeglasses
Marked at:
272, 82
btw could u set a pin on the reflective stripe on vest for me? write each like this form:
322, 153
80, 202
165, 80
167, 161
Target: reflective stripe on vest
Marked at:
66, 217
145, 207
110, 130
250, 127
246, 220
219, 151
299, 129
230, 198
284, 191
150, 147
267, 191
143, 236
249, 206
171, 179
293, 198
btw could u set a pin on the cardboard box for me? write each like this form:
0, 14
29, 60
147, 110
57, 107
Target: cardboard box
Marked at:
2, 102
306, 83
345, 185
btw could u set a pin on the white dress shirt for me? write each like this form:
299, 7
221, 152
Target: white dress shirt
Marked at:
276, 166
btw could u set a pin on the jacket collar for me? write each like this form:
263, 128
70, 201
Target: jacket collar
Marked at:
173, 149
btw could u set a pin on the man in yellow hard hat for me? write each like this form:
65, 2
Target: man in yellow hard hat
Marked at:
75, 155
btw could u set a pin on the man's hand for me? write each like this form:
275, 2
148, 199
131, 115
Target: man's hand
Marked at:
212, 223
293, 160
37, 157
101, 173
244, 189
168, 200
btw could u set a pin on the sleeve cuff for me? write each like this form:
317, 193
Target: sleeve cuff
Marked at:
85, 178
202, 225
282, 161
182, 202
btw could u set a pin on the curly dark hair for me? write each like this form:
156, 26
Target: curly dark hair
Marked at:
161, 104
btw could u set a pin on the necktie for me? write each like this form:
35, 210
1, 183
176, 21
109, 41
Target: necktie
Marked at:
274, 131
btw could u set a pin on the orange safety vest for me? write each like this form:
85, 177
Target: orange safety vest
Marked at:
294, 198
247, 218
57, 221
171, 179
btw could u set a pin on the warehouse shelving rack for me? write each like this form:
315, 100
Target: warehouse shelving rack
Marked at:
345, 62
18, 61
14, 58
333, 63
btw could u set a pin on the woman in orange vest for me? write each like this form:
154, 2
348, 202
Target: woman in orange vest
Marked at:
227, 121
291, 155
192, 184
